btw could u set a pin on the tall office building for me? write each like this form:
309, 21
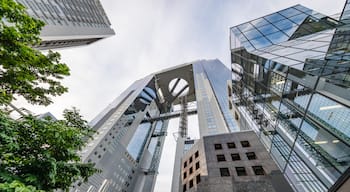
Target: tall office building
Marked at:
131, 130
290, 83
69, 22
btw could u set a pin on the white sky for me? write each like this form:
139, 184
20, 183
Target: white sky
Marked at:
153, 35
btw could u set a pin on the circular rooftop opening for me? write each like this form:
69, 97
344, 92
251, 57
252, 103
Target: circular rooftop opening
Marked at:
178, 87
147, 95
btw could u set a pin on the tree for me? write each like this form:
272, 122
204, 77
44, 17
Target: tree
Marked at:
41, 154
25, 71
35, 154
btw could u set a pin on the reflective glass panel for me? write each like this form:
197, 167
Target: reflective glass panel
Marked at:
248, 46
302, 176
290, 31
303, 9
277, 37
284, 24
289, 12
267, 29
312, 142
331, 115
252, 34
245, 27
236, 31
274, 17
138, 140
260, 42
307, 80
259, 22
298, 19
280, 150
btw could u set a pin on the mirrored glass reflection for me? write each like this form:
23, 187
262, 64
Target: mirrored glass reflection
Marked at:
260, 42
289, 12
298, 19
267, 29
274, 17
277, 37
259, 22
284, 24
245, 27
252, 34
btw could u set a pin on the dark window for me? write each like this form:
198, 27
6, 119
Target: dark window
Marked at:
220, 158
231, 145
224, 172
185, 175
245, 144
191, 170
218, 146
197, 165
185, 164
235, 157
258, 170
251, 155
191, 183
241, 171
184, 188
190, 159
198, 179
196, 154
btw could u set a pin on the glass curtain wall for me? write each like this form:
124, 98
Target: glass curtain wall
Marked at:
294, 86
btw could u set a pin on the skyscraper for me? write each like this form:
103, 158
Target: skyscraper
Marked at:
131, 130
69, 23
290, 82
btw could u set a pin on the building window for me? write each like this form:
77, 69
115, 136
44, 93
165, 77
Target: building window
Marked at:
196, 154
191, 183
245, 144
235, 157
224, 172
185, 175
241, 171
184, 188
251, 155
198, 179
218, 146
191, 159
191, 170
220, 158
258, 170
231, 145
185, 164
197, 165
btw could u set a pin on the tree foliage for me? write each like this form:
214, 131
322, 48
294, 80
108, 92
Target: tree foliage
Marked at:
25, 71
35, 154
41, 154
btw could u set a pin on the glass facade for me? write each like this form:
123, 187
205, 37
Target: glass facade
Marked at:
63, 12
217, 83
138, 140
290, 78
212, 98
69, 23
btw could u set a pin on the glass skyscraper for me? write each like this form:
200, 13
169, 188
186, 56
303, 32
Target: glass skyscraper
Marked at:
69, 22
131, 131
290, 83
